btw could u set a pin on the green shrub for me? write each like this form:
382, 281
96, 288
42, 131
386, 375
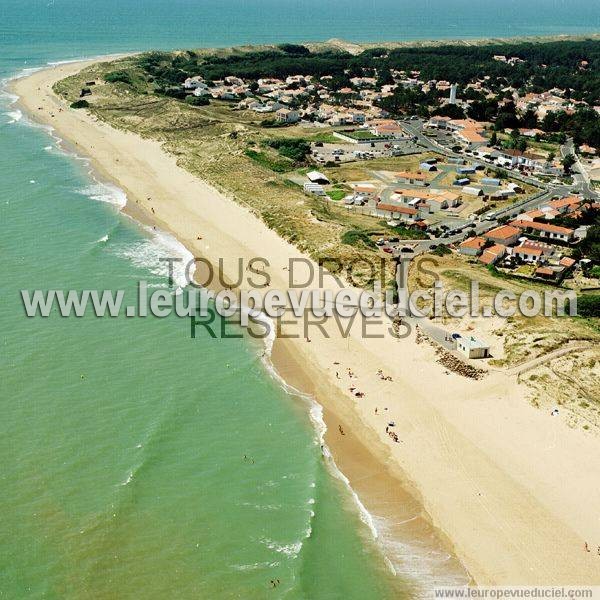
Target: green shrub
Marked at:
294, 49
80, 104
588, 305
357, 237
442, 250
119, 76
295, 149
197, 101
272, 123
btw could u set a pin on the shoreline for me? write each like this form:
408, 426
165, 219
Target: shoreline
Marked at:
298, 381
426, 424
355, 457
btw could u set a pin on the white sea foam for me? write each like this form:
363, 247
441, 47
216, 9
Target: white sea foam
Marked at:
419, 561
255, 566
105, 192
129, 479
14, 115
26, 71
262, 506
147, 254
6, 96
316, 417
292, 550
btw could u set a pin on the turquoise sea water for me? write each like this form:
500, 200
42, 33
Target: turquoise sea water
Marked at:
123, 440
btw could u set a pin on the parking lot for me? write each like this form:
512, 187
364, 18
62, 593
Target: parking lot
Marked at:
347, 152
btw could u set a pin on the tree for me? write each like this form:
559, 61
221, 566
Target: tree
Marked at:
450, 110
494, 139
567, 162
521, 144
529, 119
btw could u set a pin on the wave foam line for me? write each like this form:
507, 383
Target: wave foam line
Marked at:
316, 417
105, 192
14, 115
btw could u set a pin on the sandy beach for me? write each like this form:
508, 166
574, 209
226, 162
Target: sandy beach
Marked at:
509, 489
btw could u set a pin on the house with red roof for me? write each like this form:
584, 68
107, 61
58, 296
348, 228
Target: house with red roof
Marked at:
567, 262
545, 230
507, 235
492, 254
412, 178
565, 205
397, 211
472, 246
528, 254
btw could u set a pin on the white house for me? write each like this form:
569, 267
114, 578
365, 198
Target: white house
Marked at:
202, 90
286, 115
527, 254
192, 83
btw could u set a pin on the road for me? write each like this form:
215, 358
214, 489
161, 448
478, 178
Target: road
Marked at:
581, 180
546, 193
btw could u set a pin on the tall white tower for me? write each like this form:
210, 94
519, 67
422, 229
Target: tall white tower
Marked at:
453, 90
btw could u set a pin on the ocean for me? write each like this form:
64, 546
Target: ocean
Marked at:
138, 462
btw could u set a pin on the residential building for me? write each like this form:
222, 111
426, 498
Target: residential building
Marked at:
565, 205
545, 230
516, 158
417, 178
527, 254
395, 211
547, 249
505, 234
492, 254
286, 115
472, 246
567, 262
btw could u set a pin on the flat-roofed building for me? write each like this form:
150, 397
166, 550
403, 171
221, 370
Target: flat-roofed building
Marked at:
471, 347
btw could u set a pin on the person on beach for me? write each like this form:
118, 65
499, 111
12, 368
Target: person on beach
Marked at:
341, 430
